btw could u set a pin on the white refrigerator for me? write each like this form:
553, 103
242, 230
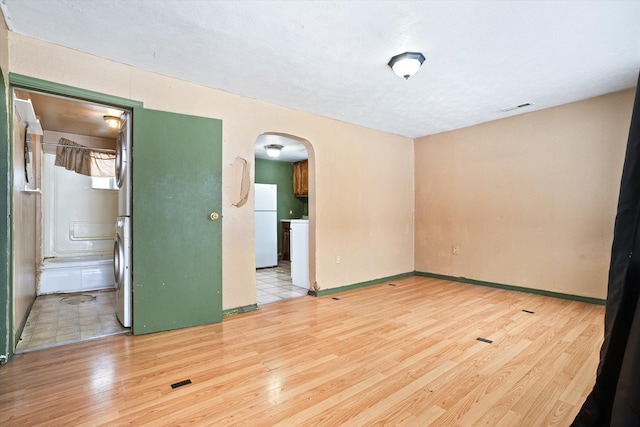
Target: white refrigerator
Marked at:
266, 214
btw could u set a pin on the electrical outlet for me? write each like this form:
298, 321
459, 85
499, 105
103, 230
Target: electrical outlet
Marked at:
456, 250
338, 260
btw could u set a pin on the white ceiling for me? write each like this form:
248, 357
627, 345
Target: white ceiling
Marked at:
330, 57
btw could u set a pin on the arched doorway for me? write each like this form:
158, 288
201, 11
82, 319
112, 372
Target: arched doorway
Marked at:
285, 236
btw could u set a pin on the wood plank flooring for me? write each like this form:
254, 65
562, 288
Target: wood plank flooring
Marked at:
381, 355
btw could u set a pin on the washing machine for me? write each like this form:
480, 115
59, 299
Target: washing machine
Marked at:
122, 270
123, 166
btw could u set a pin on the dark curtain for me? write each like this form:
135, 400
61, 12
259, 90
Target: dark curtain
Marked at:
615, 398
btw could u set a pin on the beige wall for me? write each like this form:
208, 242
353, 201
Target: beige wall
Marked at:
363, 184
4, 46
530, 200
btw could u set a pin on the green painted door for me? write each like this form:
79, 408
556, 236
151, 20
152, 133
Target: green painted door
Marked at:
176, 255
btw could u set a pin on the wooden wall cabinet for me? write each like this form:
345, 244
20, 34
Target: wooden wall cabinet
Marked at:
301, 178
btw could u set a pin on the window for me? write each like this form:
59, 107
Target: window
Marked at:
103, 183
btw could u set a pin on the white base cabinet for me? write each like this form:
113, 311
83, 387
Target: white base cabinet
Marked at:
299, 252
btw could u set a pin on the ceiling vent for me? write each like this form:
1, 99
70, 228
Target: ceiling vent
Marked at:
515, 107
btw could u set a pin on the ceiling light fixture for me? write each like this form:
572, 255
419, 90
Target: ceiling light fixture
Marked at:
273, 150
406, 64
112, 121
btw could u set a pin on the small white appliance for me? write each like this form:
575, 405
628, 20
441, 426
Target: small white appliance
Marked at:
299, 251
123, 166
122, 270
266, 225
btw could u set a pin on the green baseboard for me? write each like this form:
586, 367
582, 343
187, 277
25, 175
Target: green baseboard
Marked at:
322, 292
238, 310
513, 288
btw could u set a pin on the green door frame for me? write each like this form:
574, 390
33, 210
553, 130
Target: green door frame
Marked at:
45, 86
18, 81
6, 290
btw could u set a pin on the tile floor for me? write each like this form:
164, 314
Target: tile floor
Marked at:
63, 318
274, 284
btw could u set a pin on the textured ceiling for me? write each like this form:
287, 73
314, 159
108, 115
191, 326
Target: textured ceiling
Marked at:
330, 57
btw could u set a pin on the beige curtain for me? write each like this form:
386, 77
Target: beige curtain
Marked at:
102, 164
83, 160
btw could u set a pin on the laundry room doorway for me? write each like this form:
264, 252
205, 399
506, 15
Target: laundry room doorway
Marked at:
65, 203
177, 175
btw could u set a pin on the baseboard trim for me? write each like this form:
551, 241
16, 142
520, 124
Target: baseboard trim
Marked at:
238, 310
23, 323
330, 291
513, 288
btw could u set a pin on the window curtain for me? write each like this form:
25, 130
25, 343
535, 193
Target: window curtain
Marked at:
615, 398
83, 160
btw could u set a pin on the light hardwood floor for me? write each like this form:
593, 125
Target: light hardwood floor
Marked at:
381, 355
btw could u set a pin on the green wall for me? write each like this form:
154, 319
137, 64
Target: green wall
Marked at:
281, 173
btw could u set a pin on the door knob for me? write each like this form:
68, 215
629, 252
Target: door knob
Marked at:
214, 216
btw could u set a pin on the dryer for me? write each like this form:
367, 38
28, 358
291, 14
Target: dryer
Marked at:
122, 270
123, 166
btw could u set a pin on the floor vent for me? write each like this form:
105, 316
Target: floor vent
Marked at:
180, 384
484, 340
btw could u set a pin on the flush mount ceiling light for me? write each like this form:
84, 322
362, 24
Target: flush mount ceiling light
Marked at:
112, 121
273, 150
406, 64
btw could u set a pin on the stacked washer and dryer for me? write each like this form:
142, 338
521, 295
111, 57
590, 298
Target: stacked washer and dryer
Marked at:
122, 245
